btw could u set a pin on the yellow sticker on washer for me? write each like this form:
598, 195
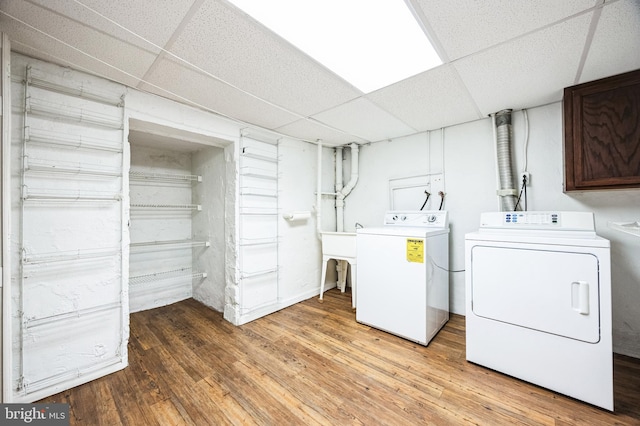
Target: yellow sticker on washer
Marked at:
415, 250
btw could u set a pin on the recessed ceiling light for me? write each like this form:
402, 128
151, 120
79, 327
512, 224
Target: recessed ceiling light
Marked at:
369, 43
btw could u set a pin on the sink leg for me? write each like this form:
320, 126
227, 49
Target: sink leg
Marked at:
323, 279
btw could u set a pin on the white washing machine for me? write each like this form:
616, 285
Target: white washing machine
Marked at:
538, 301
403, 278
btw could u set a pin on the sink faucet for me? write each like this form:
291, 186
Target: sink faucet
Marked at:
359, 226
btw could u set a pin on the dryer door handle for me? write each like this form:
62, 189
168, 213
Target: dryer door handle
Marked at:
580, 297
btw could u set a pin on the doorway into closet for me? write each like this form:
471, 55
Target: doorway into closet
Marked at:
177, 230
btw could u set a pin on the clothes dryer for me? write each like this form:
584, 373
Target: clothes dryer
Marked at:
538, 301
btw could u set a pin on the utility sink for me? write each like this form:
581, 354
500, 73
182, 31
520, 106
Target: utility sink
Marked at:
632, 228
339, 245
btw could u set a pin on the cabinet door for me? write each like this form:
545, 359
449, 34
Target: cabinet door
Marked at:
602, 133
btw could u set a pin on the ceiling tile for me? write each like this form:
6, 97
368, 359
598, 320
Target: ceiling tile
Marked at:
190, 86
227, 43
528, 71
428, 101
311, 131
363, 118
617, 34
70, 58
90, 46
74, 15
467, 26
154, 20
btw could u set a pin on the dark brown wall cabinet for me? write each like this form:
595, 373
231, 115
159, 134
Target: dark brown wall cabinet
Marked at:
602, 133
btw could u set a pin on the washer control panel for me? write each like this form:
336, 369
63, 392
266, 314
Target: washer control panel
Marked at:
425, 219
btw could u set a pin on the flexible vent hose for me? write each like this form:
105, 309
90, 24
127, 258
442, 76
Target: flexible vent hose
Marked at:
507, 190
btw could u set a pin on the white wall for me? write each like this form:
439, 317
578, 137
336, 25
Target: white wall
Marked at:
470, 183
208, 224
299, 247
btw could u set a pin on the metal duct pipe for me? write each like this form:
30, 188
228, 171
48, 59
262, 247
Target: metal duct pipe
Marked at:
506, 189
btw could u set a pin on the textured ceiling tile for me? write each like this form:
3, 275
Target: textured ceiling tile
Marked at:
617, 34
70, 58
363, 118
467, 26
311, 131
154, 20
526, 72
227, 43
61, 32
428, 101
198, 89
75, 15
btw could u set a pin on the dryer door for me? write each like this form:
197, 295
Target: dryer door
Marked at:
550, 291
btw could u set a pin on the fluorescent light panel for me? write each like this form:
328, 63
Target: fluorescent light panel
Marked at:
369, 43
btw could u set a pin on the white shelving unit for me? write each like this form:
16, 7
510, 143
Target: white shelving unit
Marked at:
162, 251
69, 184
258, 230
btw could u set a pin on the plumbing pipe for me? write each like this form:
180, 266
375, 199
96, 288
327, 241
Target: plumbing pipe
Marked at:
319, 192
341, 265
506, 189
338, 187
346, 190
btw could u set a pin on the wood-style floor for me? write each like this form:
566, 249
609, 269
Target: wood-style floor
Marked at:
313, 364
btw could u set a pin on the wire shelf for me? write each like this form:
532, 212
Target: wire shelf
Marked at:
79, 91
246, 242
258, 211
258, 192
258, 173
140, 175
53, 109
31, 322
67, 167
176, 274
246, 275
68, 256
167, 245
66, 195
259, 154
181, 207
49, 137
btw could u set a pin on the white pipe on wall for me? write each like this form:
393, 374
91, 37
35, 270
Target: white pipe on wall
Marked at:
319, 192
346, 190
338, 187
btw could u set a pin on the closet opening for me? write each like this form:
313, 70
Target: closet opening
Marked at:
177, 183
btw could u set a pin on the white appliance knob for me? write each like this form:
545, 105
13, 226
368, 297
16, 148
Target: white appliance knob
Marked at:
432, 218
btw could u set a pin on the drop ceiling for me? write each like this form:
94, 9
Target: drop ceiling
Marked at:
497, 54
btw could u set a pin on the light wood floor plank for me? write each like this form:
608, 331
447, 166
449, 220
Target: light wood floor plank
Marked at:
313, 364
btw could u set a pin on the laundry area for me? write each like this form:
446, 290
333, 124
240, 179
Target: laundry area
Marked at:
449, 216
